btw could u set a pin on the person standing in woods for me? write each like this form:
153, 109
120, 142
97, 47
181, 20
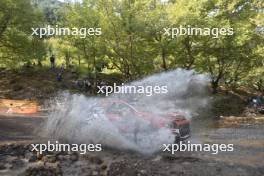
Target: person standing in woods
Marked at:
52, 61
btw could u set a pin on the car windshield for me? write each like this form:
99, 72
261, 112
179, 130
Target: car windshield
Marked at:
120, 107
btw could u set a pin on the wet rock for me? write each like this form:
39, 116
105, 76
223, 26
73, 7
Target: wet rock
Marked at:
122, 168
49, 159
13, 149
17, 87
41, 170
39, 156
28, 155
3, 148
31, 157
104, 167
95, 173
218, 169
2, 166
96, 160
142, 172
175, 173
74, 157
157, 158
10, 159
17, 163
212, 164
63, 153
186, 163
63, 157
241, 171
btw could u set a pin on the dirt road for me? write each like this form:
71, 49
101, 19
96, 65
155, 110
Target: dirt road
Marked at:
245, 160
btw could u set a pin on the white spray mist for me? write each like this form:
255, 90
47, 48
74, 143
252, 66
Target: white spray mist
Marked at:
80, 119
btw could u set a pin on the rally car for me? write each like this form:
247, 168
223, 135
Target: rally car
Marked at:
128, 118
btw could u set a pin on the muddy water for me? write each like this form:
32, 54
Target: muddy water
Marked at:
246, 159
247, 137
18, 128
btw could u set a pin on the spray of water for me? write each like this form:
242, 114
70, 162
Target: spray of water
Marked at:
80, 119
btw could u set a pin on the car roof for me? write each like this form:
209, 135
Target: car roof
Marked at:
114, 100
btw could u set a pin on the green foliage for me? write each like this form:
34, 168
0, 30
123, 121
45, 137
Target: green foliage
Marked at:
133, 41
17, 46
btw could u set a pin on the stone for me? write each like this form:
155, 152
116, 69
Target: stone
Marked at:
96, 160
95, 173
49, 159
33, 158
74, 157
2, 166
30, 157
39, 156
17, 163
104, 167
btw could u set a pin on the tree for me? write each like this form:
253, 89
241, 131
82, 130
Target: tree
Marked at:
16, 20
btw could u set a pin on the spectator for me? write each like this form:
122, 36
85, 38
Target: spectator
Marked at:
62, 68
59, 77
87, 85
52, 61
60, 73
257, 101
79, 84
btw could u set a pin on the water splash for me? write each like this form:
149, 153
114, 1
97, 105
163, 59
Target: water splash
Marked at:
80, 119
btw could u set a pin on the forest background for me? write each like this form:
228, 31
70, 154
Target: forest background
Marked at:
133, 43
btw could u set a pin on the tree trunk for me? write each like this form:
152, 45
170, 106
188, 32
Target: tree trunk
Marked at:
190, 59
67, 59
163, 56
79, 61
215, 86
95, 70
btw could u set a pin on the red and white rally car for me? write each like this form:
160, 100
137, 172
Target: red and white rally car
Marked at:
128, 118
